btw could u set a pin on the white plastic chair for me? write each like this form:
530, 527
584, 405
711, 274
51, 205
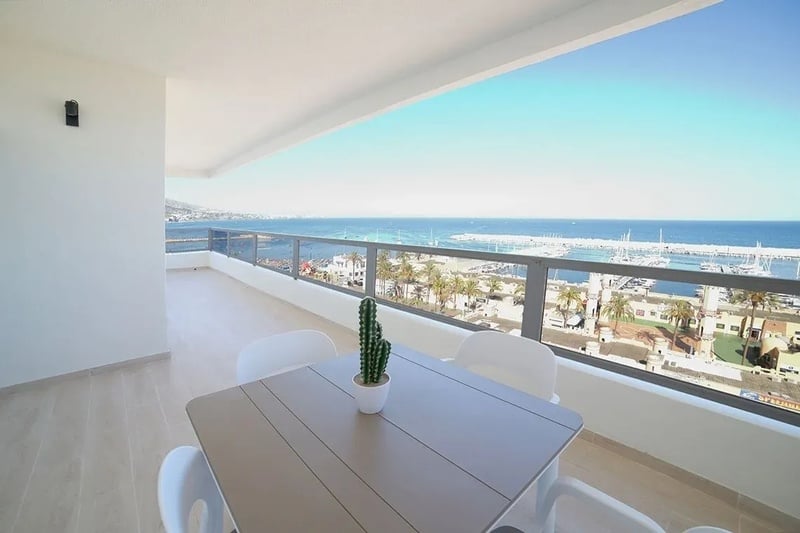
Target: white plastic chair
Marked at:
283, 352
624, 514
520, 363
185, 478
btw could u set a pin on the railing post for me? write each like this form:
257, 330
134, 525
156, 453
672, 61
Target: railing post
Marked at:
210, 239
296, 258
371, 270
255, 249
533, 309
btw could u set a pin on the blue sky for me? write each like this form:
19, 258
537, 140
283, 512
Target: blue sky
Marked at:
696, 118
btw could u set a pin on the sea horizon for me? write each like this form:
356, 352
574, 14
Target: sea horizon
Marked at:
439, 233
418, 230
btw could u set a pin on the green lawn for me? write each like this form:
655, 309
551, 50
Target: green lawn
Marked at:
729, 348
653, 323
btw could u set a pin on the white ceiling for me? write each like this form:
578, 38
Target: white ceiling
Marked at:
246, 78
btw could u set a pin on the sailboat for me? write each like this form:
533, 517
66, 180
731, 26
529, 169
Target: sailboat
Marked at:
656, 260
710, 265
757, 267
621, 255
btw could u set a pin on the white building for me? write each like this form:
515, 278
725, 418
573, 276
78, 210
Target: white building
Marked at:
341, 267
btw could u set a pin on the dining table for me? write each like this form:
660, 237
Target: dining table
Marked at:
450, 451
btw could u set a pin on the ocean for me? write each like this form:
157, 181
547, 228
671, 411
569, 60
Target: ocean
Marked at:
421, 231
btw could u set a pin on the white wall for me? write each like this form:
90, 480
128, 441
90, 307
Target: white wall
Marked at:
747, 453
81, 209
187, 260
342, 308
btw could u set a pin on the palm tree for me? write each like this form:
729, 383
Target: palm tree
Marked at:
383, 269
417, 293
470, 290
397, 289
754, 299
406, 274
456, 288
354, 258
566, 298
441, 291
494, 286
678, 311
618, 308
430, 271
519, 294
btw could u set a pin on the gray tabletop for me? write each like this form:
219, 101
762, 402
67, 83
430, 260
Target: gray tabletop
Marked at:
451, 451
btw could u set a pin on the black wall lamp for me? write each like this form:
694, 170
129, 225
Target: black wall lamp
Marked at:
71, 107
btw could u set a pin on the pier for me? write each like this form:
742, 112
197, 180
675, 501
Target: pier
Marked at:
643, 246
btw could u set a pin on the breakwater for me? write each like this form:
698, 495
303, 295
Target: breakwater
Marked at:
640, 246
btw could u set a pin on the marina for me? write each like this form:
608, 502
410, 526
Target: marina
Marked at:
735, 245
766, 253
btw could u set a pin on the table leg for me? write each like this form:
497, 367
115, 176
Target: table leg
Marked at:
542, 487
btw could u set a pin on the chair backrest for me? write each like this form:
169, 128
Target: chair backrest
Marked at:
283, 352
518, 362
185, 478
592, 497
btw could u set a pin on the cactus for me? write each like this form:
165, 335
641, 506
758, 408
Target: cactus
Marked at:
374, 348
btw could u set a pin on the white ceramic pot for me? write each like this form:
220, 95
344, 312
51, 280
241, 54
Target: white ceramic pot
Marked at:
371, 398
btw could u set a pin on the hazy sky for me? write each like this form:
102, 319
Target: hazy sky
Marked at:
696, 118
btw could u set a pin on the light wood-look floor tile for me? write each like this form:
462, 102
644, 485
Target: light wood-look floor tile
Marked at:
82, 454
23, 419
53, 492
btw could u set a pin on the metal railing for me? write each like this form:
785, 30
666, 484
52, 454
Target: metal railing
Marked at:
282, 254
189, 244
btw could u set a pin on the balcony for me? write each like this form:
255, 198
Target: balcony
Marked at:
707, 336
99, 355
99, 438
673, 415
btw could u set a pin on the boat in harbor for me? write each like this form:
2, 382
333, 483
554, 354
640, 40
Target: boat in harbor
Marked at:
622, 257
658, 259
757, 266
710, 265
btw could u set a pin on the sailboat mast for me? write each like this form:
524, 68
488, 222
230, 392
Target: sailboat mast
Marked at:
660, 241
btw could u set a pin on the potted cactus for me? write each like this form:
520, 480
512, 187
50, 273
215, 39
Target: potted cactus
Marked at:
371, 384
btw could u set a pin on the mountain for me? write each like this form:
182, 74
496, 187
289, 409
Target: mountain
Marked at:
175, 211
